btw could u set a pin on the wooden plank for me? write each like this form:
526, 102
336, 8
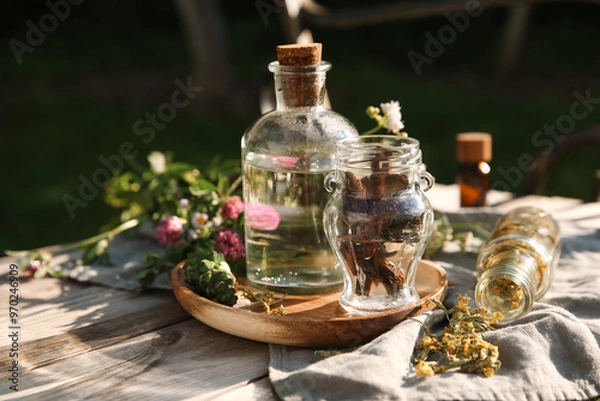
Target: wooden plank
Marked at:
49, 307
181, 361
81, 340
59, 319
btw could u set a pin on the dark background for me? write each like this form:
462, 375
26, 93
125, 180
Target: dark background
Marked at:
77, 96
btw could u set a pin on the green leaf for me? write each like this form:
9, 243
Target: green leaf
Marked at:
202, 187
218, 167
96, 252
145, 276
218, 257
42, 272
238, 224
175, 254
238, 268
180, 168
223, 184
57, 273
155, 267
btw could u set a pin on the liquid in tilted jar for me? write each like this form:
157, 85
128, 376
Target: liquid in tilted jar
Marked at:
516, 265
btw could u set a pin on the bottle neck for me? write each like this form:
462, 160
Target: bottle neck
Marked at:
299, 86
508, 289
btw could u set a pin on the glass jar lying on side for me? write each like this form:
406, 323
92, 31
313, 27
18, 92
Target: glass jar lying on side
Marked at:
516, 265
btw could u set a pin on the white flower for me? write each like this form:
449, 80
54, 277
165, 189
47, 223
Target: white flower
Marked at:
394, 124
390, 107
201, 220
217, 220
393, 116
184, 203
158, 162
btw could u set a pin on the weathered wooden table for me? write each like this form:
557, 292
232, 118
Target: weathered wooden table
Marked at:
78, 341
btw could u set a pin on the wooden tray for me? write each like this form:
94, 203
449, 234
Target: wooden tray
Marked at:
316, 321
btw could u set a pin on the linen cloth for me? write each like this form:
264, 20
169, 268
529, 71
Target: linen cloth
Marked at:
553, 353
126, 256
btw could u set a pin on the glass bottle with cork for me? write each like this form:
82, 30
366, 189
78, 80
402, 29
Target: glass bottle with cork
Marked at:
473, 152
286, 155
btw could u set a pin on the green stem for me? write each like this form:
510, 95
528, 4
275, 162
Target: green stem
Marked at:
83, 243
373, 130
234, 186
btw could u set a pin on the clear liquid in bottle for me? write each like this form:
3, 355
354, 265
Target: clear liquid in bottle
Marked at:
286, 246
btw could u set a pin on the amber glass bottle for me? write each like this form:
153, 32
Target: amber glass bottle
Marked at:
473, 152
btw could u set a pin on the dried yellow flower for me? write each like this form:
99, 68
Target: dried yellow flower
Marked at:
424, 369
265, 298
463, 303
508, 290
461, 345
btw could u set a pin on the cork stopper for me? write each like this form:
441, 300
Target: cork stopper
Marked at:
297, 54
472, 147
299, 83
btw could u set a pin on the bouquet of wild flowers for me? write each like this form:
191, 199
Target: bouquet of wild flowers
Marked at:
188, 210
184, 209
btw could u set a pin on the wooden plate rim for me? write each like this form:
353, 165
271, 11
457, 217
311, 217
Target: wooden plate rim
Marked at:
181, 290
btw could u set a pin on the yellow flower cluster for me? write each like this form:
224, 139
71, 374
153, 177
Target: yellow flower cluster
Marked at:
461, 345
508, 290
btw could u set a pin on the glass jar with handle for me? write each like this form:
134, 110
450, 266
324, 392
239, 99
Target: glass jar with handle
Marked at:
378, 220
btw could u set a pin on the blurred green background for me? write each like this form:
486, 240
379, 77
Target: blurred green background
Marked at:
77, 96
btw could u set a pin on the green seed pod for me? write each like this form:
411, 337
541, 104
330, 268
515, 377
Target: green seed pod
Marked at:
211, 277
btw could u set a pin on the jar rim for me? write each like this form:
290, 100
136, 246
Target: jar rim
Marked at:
358, 152
277, 68
484, 291
379, 142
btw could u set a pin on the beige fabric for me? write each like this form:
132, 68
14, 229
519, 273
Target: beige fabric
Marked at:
553, 353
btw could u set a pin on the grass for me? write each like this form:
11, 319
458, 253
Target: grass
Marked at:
79, 94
